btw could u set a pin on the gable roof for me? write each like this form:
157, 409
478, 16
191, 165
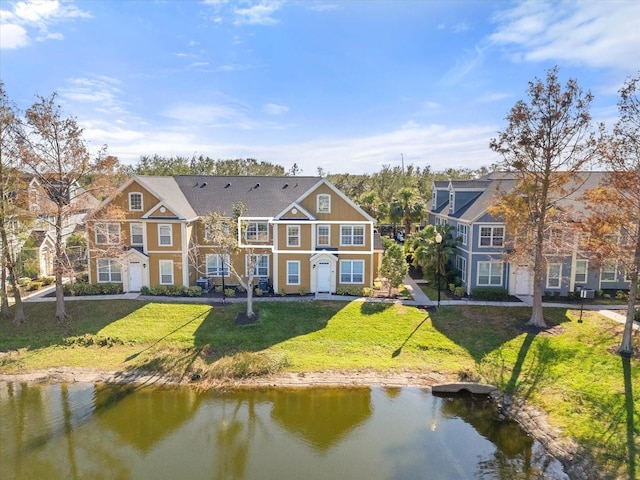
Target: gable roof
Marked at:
263, 196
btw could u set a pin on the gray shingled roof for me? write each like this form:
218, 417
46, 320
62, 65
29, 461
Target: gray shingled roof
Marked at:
264, 196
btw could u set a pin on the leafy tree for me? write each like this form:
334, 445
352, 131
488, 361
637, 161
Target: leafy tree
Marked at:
408, 207
11, 216
546, 143
53, 150
394, 266
614, 223
200, 165
434, 259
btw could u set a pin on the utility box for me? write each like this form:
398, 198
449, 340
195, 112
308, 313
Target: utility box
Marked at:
203, 283
587, 293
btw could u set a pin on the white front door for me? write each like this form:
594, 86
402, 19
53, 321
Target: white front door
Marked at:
521, 277
135, 276
324, 277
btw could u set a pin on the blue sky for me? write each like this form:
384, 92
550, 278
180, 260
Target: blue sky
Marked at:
343, 85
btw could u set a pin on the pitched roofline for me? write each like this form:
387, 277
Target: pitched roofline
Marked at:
340, 194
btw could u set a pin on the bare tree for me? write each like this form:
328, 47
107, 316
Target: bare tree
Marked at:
53, 150
614, 223
546, 143
12, 218
225, 236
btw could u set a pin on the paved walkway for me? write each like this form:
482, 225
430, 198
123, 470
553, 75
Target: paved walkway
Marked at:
419, 299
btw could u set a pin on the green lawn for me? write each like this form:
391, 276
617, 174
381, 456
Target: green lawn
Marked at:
572, 370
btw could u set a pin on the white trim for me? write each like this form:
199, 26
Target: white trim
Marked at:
317, 242
170, 244
292, 262
351, 261
141, 209
136, 224
491, 263
160, 263
323, 195
352, 244
298, 236
111, 262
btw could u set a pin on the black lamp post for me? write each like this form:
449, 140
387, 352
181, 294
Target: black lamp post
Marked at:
438, 259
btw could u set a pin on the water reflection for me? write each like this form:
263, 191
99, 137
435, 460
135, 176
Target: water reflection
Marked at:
86, 431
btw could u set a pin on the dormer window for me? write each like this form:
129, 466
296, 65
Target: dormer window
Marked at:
323, 203
135, 201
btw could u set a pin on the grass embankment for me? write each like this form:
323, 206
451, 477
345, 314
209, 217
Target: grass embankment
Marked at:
571, 370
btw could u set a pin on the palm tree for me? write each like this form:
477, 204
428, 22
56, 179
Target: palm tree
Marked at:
431, 256
408, 207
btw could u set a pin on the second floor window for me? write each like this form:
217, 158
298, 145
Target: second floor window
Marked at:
352, 235
165, 237
293, 235
107, 233
260, 265
136, 234
324, 232
135, 201
257, 232
582, 267
491, 236
608, 272
463, 233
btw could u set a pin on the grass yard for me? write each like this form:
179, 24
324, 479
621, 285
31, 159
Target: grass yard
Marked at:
571, 370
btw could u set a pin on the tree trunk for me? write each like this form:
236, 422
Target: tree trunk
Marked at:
250, 312
626, 347
537, 313
61, 313
4, 307
18, 314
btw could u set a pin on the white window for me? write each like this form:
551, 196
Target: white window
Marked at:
217, 265
490, 274
137, 237
609, 272
554, 275
109, 271
135, 201
461, 265
352, 235
491, 236
165, 235
582, 267
257, 232
166, 272
324, 203
293, 272
293, 235
351, 271
463, 233
324, 235
107, 233
261, 268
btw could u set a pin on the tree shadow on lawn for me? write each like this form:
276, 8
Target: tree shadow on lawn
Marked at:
218, 335
484, 331
42, 330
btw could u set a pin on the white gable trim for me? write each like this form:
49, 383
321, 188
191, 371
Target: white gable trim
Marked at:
295, 205
326, 182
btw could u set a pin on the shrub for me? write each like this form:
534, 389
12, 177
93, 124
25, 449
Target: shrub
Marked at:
495, 294
452, 287
218, 289
258, 292
33, 286
79, 289
240, 289
458, 292
48, 280
350, 291
110, 288
377, 284
82, 278
193, 291
24, 281
302, 291
367, 292
230, 292
621, 295
282, 292
145, 291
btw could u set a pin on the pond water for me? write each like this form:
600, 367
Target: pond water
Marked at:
68, 431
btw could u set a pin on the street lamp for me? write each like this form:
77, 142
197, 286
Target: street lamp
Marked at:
438, 273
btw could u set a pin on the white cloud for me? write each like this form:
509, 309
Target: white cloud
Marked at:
275, 109
260, 14
13, 36
31, 16
595, 34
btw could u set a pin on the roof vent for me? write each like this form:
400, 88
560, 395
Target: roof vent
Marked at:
227, 185
204, 184
257, 185
286, 185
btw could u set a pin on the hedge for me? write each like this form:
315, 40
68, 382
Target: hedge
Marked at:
492, 294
